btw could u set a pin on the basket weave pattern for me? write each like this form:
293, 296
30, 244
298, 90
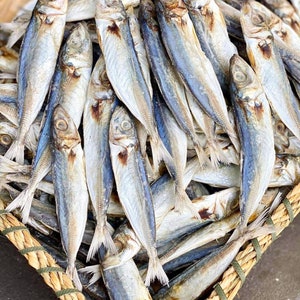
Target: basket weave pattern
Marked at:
234, 276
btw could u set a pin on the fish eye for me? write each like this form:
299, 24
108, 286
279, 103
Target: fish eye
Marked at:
126, 125
5, 139
239, 76
257, 19
61, 125
280, 127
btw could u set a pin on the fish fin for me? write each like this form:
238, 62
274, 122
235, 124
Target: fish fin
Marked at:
235, 141
94, 270
238, 231
23, 201
16, 151
112, 261
216, 154
155, 270
72, 272
182, 201
253, 230
101, 236
203, 159
160, 153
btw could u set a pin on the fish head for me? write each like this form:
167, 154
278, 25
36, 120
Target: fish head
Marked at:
256, 20
48, 10
246, 89
77, 51
110, 9
122, 129
64, 131
149, 14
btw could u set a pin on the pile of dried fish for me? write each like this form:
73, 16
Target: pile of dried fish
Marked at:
155, 136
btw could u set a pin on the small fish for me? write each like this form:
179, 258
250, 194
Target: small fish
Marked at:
69, 182
124, 70
211, 30
38, 55
285, 10
192, 65
70, 78
125, 282
205, 272
265, 58
255, 129
98, 110
133, 187
175, 141
211, 208
232, 19
168, 81
214, 231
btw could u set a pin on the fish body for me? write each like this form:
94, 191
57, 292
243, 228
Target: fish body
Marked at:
168, 81
255, 128
175, 141
191, 63
211, 30
124, 70
211, 208
285, 10
98, 110
38, 55
71, 194
265, 60
69, 86
129, 171
206, 271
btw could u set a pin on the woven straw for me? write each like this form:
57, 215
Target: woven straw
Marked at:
37, 257
234, 276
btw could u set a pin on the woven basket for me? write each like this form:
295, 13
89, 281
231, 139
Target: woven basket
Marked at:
62, 285
227, 288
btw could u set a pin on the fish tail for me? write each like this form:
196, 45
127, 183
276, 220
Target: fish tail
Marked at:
160, 153
16, 151
23, 201
72, 272
101, 236
203, 159
235, 141
94, 270
155, 270
112, 261
216, 154
254, 230
182, 201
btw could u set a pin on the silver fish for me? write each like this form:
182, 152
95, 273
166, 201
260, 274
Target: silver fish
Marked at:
71, 78
169, 83
129, 171
265, 58
215, 230
124, 70
210, 27
38, 56
97, 114
285, 10
255, 128
211, 207
192, 65
206, 271
69, 182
